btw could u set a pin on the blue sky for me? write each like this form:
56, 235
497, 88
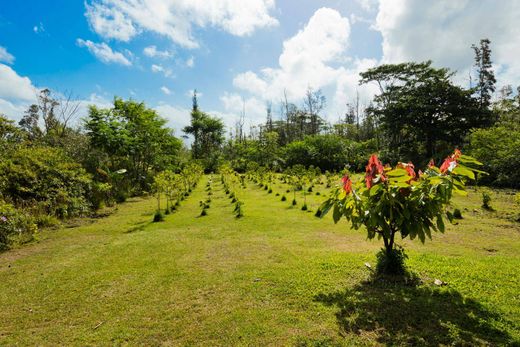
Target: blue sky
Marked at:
236, 52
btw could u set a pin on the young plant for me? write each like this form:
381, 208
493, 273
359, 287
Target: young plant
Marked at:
399, 201
238, 209
486, 200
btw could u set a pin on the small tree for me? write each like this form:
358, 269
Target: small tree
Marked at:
398, 200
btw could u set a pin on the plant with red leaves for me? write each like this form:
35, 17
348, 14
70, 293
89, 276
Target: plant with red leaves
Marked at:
391, 201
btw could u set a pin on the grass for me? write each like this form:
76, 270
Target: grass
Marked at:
276, 276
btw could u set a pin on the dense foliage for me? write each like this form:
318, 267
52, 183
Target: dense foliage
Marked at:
51, 171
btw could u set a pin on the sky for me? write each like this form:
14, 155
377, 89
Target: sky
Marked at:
238, 54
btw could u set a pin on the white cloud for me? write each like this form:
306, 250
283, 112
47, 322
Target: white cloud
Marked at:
305, 60
14, 87
190, 62
5, 56
152, 52
165, 90
159, 68
234, 104
313, 58
367, 5
12, 110
444, 31
16, 92
104, 53
109, 22
178, 117
175, 19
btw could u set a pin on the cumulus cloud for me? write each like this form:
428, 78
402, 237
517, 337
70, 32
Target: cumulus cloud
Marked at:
14, 87
153, 52
175, 19
5, 56
109, 22
305, 59
444, 31
16, 92
234, 104
104, 53
315, 57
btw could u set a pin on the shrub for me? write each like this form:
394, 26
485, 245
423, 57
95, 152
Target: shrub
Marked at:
398, 200
457, 214
158, 217
283, 198
46, 177
486, 200
15, 225
304, 207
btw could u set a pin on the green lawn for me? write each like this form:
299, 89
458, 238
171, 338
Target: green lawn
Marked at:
277, 276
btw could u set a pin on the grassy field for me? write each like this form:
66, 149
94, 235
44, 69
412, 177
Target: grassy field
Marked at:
277, 276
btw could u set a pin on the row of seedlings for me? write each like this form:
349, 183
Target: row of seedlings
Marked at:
230, 181
205, 204
175, 187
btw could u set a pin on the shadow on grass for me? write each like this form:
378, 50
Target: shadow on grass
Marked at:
138, 227
396, 314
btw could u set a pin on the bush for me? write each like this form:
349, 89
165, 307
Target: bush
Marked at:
457, 214
45, 177
499, 149
15, 225
284, 198
486, 200
158, 217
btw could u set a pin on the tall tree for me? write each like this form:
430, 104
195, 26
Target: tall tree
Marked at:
313, 103
132, 137
484, 71
208, 135
423, 114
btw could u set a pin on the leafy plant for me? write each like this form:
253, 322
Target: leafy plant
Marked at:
158, 216
392, 201
486, 200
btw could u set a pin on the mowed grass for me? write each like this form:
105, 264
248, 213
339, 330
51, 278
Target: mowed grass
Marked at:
277, 276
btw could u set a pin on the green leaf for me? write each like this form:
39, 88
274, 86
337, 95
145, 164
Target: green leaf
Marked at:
469, 160
375, 189
396, 173
440, 224
462, 170
336, 213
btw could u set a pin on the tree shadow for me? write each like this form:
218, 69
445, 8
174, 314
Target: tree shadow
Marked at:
397, 314
138, 227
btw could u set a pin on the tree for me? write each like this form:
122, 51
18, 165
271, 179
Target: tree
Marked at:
208, 134
132, 137
485, 74
399, 201
421, 112
313, 103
